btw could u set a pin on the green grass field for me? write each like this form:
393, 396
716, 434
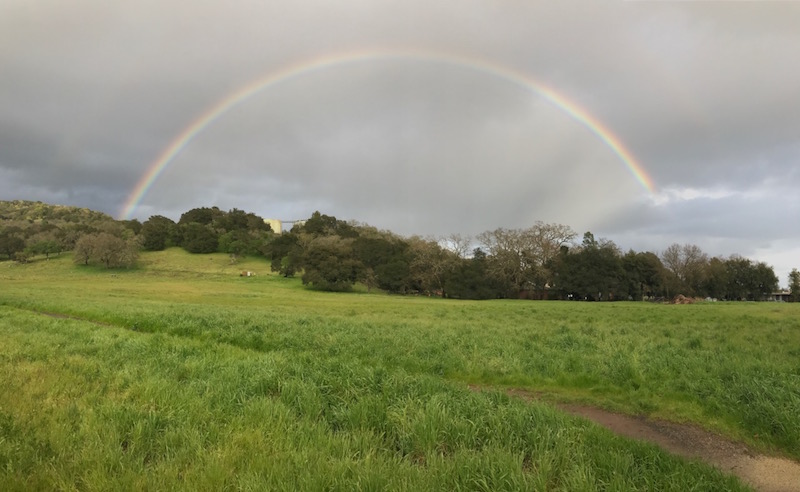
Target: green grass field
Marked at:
183, 375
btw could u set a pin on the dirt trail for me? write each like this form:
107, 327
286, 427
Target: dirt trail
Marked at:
764, 473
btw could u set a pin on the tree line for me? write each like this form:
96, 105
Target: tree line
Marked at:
539, 262
543, 261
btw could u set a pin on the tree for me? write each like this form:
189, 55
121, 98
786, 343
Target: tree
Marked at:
246, 242
738, 273
329, 264
518, 258
133, 225
11, 243
70, 234
109, 250
84, 248
748, 280
431, 264
384, 262
202, 215
45, 247
372, 252
458, 244
158, 233
547, 240
469, 279
687, 264
643, 274
765, 281
199, 238
235, 243
794, 285
285, 254
594, 271
66, 237
239, 220
113, 251
394, 275
326, 225
716, 278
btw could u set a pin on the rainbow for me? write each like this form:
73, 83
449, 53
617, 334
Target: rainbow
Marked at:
319, 64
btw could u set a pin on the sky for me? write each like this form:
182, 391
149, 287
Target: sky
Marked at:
646, 123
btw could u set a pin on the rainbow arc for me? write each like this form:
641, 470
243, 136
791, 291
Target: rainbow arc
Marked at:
241, 95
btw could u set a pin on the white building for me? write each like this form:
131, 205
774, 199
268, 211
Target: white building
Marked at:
275, 224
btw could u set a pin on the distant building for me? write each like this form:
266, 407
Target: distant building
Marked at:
275, 224
782, 296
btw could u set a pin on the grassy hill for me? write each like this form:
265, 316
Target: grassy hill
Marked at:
23, 212
182, 375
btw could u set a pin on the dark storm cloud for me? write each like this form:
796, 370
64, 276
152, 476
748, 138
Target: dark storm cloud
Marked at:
703, 94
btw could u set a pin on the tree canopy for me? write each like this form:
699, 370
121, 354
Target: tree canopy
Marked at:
542, 261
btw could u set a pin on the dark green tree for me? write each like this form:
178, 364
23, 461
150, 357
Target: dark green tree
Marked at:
199, 238
244, 242
329, 263
394, 275
794, 285
45, 247
643, 274
239, 220
202, 215
158, 232
285, 254
11, 242
326, 225
716, 280
385, 263
765, 282
133, 225
234, 220
593, 272
739, 273
470, 279
748, 280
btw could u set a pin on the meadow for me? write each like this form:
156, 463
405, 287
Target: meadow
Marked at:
181, 375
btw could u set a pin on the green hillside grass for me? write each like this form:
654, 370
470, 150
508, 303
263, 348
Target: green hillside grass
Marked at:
180, 374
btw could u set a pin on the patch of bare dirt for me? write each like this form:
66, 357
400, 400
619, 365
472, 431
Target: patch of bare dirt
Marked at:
764, 473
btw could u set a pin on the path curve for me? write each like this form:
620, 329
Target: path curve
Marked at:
763, 473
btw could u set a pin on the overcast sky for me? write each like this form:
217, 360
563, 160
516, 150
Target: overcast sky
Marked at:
704, 95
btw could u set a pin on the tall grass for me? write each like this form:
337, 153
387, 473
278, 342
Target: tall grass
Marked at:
373, 383
86, 406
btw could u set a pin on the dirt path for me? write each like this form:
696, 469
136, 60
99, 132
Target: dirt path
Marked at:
764, 473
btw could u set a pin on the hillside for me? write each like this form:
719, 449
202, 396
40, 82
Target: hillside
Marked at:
543, 261
24, 213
